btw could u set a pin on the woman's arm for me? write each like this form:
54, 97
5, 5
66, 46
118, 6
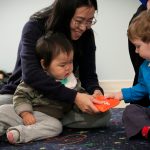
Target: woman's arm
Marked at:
87, 66
32, 71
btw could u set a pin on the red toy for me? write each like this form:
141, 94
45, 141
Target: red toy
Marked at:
107, 103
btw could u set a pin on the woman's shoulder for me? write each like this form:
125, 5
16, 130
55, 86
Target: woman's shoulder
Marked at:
32, 31
32, 25
88, 38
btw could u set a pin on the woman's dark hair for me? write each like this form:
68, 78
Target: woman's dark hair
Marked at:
60, 13
51, 45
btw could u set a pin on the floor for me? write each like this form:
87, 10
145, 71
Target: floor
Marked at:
111, 138
122, 105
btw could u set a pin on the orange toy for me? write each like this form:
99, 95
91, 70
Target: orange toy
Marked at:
107, 103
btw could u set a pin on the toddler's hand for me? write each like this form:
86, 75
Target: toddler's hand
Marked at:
28, 118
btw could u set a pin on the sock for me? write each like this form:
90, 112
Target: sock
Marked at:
13, 136
146, 132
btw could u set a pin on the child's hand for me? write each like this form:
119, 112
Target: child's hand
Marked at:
28, 118
116, 95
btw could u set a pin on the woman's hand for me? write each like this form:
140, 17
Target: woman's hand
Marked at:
116, 95
28, 118
85, 103
97, 93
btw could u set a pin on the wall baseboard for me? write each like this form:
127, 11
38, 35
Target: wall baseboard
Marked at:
115, 85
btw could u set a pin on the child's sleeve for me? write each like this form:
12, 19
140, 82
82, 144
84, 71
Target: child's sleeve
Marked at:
138, 91
21, 99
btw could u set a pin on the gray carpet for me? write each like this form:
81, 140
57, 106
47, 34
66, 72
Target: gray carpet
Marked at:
110, 138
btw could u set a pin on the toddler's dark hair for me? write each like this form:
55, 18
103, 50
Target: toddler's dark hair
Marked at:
51, 45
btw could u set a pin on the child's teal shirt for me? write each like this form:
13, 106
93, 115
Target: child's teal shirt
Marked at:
142, 88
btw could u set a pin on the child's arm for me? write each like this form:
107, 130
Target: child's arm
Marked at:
28, 118
22, 103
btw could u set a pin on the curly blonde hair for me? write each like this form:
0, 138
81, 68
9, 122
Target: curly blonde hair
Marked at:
140, 27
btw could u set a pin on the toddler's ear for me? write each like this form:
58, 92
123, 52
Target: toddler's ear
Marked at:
42, 64
1, 76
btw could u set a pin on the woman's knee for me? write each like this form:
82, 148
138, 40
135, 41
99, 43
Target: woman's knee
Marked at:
105, 118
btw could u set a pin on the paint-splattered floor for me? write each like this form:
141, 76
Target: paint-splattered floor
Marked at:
111, 138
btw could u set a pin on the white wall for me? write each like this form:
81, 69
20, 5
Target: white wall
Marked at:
113, 61
13, 16
112, 57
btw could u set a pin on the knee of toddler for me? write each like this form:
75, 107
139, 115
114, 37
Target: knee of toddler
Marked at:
130, 108
2, 129
55, 125
58, 127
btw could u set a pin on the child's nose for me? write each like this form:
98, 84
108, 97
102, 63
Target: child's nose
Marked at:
67, 67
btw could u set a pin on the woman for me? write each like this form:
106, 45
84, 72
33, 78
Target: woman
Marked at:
74, 19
